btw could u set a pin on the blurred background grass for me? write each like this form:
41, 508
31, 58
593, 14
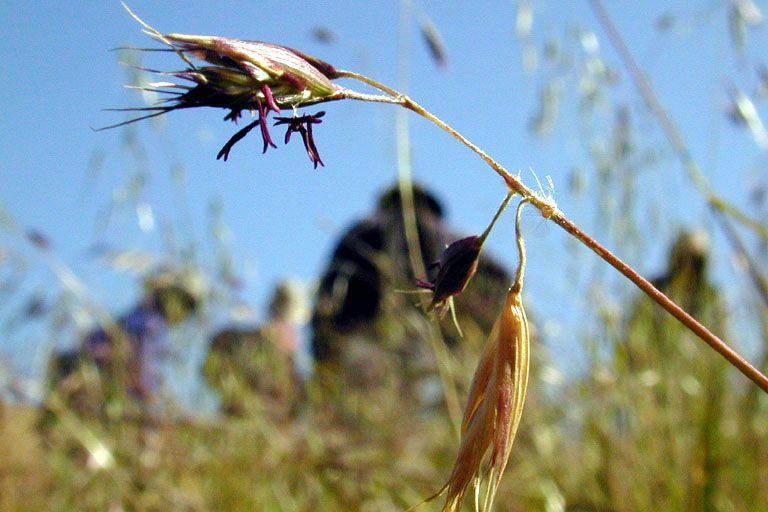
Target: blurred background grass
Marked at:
658, 424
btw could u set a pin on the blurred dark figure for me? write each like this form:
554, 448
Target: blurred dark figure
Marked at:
686, 279
254, 369
121, 364
686, 282
675, 372
361, 317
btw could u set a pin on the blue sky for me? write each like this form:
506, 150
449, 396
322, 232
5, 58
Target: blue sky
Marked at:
58, 176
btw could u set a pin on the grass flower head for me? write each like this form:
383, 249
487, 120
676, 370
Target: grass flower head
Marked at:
242, 75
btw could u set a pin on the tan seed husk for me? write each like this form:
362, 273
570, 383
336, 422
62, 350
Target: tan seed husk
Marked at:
495, 402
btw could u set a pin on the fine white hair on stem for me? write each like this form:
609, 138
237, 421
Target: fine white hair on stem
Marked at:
545, 196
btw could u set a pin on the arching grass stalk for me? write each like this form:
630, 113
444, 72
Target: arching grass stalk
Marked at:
549, 210
257, 77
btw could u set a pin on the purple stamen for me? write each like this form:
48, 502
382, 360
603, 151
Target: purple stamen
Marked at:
420, 283
303, 125
233, 116
224, 152
264, 129
309, 145
261, 121
270, 98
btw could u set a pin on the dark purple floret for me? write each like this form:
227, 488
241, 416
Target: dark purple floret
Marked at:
303, 125
456, 266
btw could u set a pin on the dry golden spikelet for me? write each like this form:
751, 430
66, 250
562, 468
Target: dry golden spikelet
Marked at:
496, 398
495, 402
494, 407
512, 366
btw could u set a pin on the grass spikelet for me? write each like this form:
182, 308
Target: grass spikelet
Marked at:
495, 402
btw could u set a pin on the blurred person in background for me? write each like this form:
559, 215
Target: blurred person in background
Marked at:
671, 370
686, 281
256, 369
120, 365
